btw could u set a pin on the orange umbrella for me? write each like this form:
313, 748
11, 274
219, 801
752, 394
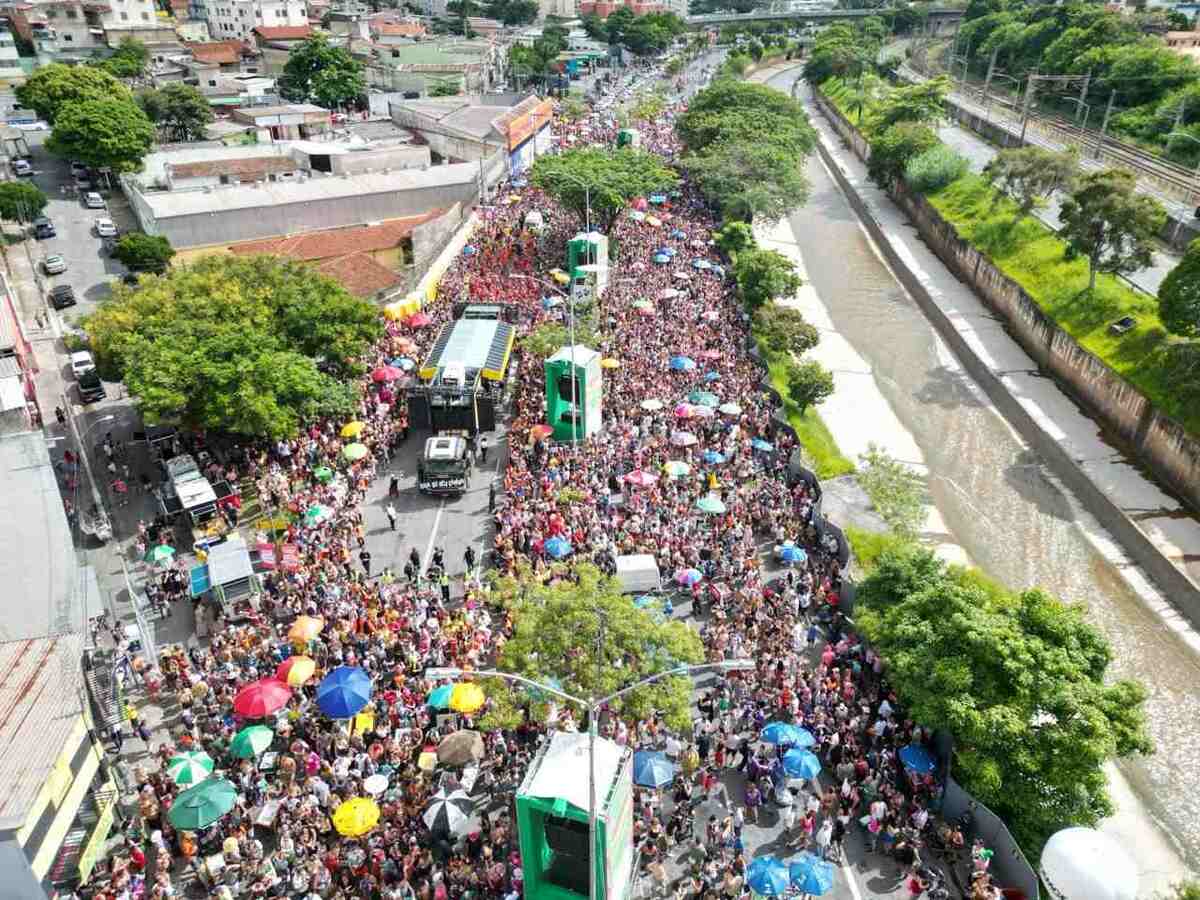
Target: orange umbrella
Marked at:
305, 628
295, 670
540, 432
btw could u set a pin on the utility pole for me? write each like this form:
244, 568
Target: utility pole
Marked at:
1029, 88
987, 84
1104, 128
1087, 80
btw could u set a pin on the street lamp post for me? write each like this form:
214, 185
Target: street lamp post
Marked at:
593, 707
85, 458
1190, 137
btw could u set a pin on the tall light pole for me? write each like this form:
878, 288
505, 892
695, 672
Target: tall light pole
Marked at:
592, 707
1190, 137
571, 331
1087, 108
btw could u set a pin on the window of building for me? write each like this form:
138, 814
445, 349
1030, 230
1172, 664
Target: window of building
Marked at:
124, 17
212, 83
51, 13
145, 17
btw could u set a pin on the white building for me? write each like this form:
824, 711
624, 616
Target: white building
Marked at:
10, 66
237, 18
62, 30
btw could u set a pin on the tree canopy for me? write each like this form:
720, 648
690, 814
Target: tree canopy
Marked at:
1019, 681
103, 133
555, 637
748, 181
21, 201
1028, 175
612, 179
52, 87
764, 275
144, 252
320, 73
1179, 295
841, 49
128, 60
809, 384
179, 110
249, 345
893, 149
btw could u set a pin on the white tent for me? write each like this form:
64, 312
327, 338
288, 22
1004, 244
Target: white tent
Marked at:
1083, 864
638, 573
563, 769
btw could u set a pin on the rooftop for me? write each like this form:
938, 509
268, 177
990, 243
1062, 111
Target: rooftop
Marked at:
338, 241
168, 204
220, 52
283, 32
39, 709
429, 53
398, 29
246, 167
465, 115
360, 274
41, 599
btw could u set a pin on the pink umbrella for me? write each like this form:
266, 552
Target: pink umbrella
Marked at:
420, 320
641, 478
711, 354
684, 411
645, 311
386, 373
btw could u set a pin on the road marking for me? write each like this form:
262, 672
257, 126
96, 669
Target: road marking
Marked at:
437, 521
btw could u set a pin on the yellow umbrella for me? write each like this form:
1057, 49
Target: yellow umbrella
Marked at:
295, 670
305, 628
352, 429
356, 817
427, 761
467, 698
610, 363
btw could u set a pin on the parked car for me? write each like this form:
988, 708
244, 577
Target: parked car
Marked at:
78, 168
54, 264
22, 167
82, 181
92, 200
105, 227
62, 296
91, 388
81, 361
43, 228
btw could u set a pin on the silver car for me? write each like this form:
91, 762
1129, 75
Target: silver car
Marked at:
92, 200
54, 264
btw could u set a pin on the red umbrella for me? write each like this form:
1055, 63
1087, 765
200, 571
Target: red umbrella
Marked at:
261, 698
386, 373
639, 203
541, 431
420, 320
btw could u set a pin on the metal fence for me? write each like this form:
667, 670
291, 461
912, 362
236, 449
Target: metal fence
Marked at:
1009, 865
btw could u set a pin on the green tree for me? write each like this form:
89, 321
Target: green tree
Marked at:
612, 179
444, 88
1018, 679
1185, 890
1107, 221
923, 102
179, 110
619, 21
748, 181
1178, 295
548, 338
21, 201
735, 237
557, 636
109, 133
250, 345
52, 87
764, 275
320, 73
1030, 174
892, 150
782, 330
593, 25
128, 60
737, 110
839, 50
144, 252
809, 384
512, 12
895, 490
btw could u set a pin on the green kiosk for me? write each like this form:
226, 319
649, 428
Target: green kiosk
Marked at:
573, 410
552, 820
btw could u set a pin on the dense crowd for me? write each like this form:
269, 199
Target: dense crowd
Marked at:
608, 496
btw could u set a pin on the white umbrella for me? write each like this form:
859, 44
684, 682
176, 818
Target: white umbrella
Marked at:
449, 812
652, 405
683, 439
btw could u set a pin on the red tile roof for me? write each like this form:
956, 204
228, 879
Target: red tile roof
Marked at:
337, 242
399, 29
360, 274
219, 52
284, 32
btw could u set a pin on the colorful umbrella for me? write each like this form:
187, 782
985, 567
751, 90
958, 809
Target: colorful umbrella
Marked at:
449, 813
160, 554
760, 444
323, 474
384, 373
406, 345
305, 628
354, 452
704, 398
811, 875
641, 478
251, 741
682, 363
670, 294
404, 363
712, 457
295, 670
684, 411
645, 311
767, 876
917, 758
541, 432
610, 363
316, 514
730, 409
652, 405
642, 304
356, 817
711, 355
420, 320
344, 691
261, 698
677, 468
467, 698
353, 429
712, 376
710, 504
701, 264
783, 733
661, 258
190, 767
688, 577
439, 697
202, 804
703, 412
683, 438
557, 547
790, 553
801, 763
460, 749
652, 769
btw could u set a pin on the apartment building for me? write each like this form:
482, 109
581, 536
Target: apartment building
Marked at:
66, 30
11, 73
236, 19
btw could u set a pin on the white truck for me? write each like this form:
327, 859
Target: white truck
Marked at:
185, 490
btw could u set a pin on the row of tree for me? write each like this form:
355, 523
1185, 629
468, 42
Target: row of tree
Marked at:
645, 35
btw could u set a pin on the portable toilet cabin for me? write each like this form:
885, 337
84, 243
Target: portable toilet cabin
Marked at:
629, 137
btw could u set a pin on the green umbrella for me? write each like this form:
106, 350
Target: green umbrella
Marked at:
676, 468
355, 451
251, 741
202, 804
160, 554
316, 514
323, 473
190, 767
704, 398
710, 504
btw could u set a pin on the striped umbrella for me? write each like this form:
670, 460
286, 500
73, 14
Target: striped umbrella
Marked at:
449, 813
190, 767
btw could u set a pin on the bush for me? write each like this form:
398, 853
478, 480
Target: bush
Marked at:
892, 151
934, 169
737, 64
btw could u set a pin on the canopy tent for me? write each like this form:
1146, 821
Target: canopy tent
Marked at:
1084, 864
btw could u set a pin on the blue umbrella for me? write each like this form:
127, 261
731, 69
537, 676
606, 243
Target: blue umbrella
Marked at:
678, 235
344, 691
801, 763
790, 553
682, 363
783, 733
760, 444
712, 376
768, 877
661, 258
712, 457
701, 264
469, 250
439, 697
811, 875
917, 758
666, 251
652, 769
557, 547
644, 601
